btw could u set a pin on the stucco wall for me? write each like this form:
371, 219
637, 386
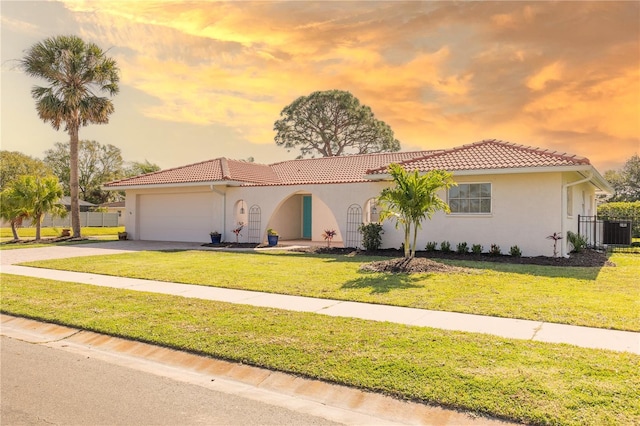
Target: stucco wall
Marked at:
526, 208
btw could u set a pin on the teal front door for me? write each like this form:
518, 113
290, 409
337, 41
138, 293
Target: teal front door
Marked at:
306, 216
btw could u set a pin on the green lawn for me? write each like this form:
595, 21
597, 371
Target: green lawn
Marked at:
525, 381
597, 297
100, 233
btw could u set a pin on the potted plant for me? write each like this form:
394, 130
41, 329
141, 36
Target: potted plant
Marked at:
215, 237
272, 237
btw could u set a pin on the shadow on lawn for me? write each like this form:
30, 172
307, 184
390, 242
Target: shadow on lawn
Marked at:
385, 283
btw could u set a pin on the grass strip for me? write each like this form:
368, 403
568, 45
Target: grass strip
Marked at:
99, 234
532, 382
87, 231
593, 297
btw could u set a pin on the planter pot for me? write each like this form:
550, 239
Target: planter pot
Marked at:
273, 240
215, 239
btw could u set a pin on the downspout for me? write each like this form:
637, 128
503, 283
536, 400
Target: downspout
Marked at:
563, 226
224, 209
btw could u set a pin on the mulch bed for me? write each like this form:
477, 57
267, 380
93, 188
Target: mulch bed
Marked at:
586, 258
44, 240
239, 245
410, 266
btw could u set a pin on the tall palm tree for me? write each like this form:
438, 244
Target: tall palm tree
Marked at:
38, 196
413, 199
76, 73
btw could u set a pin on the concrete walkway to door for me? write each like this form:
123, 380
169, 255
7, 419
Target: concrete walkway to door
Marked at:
588, 337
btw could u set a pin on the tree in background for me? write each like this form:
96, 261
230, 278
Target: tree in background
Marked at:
412, 199
12, 209
35, 196
332, 123
136, 168
97, 164
14, 164
76, 73
625, 182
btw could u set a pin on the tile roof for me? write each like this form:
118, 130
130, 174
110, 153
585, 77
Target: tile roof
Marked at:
489, 155
483, 155
341, 169
219, 169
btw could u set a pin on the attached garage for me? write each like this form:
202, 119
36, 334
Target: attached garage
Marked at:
176, 217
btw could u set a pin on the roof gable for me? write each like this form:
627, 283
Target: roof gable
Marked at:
489, 155
217, 170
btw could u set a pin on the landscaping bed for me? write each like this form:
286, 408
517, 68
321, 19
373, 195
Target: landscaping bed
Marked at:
586, 258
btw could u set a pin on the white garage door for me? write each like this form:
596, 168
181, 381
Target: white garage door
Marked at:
176, 217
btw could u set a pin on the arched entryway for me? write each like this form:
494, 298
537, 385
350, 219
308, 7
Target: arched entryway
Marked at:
303, 216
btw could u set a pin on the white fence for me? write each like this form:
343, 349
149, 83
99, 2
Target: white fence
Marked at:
97, 219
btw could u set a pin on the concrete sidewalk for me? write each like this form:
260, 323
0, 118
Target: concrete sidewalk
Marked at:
623, 341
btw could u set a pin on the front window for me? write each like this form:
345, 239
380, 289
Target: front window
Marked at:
472, 198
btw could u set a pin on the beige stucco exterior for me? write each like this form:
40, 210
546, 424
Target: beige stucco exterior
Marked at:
526, 208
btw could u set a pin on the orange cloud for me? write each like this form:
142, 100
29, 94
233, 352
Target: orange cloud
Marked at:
440, 74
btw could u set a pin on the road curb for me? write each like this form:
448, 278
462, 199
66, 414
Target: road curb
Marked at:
334, 402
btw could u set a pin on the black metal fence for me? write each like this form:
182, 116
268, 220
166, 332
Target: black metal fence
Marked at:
611, 233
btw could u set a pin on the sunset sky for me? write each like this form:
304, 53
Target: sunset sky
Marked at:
201, 80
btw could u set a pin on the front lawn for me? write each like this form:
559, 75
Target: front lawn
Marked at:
525, 381
597, 297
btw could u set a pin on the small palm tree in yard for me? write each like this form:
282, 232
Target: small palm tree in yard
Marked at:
76, 73
12, 210
37, 196
412, 199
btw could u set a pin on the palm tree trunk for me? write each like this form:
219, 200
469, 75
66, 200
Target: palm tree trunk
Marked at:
38, 219
407, 233
74, 185
415, 239
14, 230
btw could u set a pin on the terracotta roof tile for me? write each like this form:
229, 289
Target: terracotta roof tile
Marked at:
219, 169
342, 169
489, 155
483, 155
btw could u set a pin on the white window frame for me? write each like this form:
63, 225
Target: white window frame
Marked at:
478, 213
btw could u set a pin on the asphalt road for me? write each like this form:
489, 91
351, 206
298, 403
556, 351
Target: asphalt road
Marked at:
43, 385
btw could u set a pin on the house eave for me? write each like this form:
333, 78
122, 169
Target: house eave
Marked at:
174, 185
597, 180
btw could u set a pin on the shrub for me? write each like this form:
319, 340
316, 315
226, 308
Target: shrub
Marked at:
462, 248
555, 237
578, 241
328, 235
431, 246
495, 250
445, 246
622, 210
515, 251
371, 235
476, 248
